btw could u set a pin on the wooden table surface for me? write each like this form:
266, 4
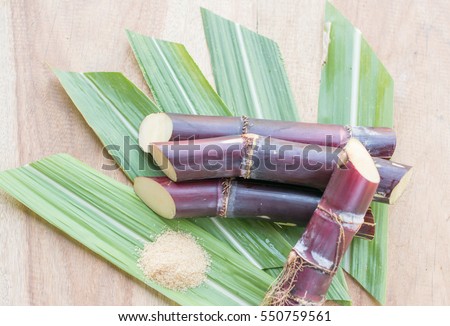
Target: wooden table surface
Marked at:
41, 266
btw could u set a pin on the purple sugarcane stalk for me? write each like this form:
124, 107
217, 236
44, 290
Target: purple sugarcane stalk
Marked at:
265, 158
379, 142
314, 260
237, 198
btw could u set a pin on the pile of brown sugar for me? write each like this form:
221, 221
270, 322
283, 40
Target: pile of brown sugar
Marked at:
175, 260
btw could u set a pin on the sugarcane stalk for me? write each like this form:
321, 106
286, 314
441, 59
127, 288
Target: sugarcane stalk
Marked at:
265, 158
234, 198
394, 178
162, 127
314, 260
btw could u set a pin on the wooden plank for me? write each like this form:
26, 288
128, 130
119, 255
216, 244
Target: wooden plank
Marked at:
14, 281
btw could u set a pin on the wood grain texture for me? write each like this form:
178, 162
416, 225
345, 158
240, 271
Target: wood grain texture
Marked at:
41, 266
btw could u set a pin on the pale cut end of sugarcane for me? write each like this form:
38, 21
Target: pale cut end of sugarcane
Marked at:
155, 196
156, 127
400, 187
163, 162
361, 160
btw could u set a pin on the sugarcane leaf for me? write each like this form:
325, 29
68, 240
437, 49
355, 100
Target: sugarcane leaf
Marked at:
114, 108
338, 290
250, 76
357, 89
179, 86
174, 78
108, 218
250, 238
248, 70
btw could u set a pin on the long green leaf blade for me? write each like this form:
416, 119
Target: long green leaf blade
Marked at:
248, 70
357, 89
114, 108
179, 86
255, 240
338, 290
108, 218
174, 78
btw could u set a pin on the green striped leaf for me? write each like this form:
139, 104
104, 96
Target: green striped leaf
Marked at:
357, 89
248, 70
114, 108
338, 290
174, 78
108, 218
260, 242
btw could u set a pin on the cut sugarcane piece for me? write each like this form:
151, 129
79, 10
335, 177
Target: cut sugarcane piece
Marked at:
265, 158
394, 177
234, 198
162, 127
315, 258
249, 156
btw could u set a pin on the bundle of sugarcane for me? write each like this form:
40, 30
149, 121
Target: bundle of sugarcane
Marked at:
319, 173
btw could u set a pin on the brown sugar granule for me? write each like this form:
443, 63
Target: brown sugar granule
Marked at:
175, 260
